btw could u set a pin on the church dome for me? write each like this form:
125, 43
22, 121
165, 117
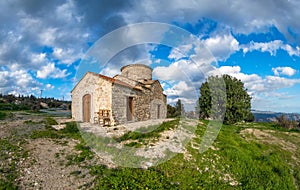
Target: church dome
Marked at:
137, 72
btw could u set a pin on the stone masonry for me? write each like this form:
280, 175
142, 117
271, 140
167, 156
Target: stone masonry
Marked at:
131, 96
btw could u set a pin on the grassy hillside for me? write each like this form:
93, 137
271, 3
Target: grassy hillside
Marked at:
264, 157
244, 156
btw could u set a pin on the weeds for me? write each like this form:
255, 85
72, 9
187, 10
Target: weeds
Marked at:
149, 132
50, 121
71, 130
10, 154
234, 163
2, 115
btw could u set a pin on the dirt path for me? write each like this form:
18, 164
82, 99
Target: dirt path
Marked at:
46, 167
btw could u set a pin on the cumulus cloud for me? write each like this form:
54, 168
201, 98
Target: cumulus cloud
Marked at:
258, 86
184, 91
134, 54
178, 52
222, 46
17, 82
272, 47
68, 28
276, 82
66, 56
49, 86
231, 13
185, 78
284, 71
230, 70
50, 71
170, 73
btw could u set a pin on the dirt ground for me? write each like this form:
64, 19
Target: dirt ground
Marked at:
45, 166
269, 136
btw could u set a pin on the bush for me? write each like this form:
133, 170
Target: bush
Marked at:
50, 121
71, 127
10, 106
284, 122
2, 115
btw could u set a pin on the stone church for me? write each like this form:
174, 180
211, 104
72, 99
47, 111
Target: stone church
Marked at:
129, 97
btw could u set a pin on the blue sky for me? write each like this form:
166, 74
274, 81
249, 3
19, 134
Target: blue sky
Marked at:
44, 45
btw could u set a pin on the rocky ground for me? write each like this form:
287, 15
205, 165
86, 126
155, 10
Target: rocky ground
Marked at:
46, 163
36, 153
41, 163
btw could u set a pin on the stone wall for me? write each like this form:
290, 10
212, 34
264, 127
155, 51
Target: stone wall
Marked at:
142, 109
100, 91
158, 101
119, 102
137, 72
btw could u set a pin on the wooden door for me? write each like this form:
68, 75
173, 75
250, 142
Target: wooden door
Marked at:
86, 107
130, 108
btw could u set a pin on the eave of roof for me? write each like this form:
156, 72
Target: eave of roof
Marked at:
112, 80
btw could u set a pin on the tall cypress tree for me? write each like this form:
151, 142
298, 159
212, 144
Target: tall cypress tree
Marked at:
179, 108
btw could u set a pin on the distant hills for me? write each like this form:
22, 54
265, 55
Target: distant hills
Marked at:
268, 116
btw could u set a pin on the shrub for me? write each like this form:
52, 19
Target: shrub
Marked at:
284, 122
50, 121
71, 127
2, 115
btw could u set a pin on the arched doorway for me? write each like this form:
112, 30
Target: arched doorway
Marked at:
86, 107
130, 109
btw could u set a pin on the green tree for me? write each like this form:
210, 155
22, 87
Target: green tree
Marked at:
171, 111
237, 104
179, 108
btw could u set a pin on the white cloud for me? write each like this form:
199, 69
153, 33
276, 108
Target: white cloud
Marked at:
110, 72
272, 47
284, 71
243, 17
253, 82
48, 36
261, 88
292, 51
171, 73
50, 71
230, 69
184, 91
66, 56
179, 52
17, 82
222, 46
68, 27
179, 89
38, 58
276, 82
49, 86
65, 11
158, 61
